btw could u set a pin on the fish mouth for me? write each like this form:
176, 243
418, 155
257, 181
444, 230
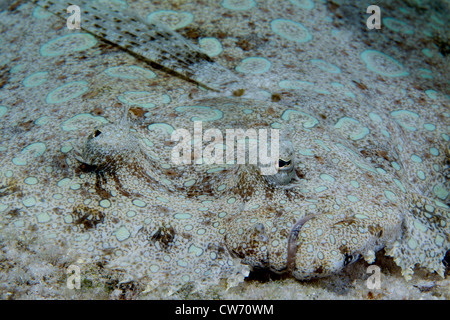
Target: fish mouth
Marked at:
292, 241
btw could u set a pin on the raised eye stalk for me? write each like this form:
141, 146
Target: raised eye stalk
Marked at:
285, 167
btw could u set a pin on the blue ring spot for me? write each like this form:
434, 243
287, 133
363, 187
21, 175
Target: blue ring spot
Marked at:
172, 19
238, 5
397, 25
67, 44
67, 92
291, 30
36, 79
383, 64
325, 66
254, 65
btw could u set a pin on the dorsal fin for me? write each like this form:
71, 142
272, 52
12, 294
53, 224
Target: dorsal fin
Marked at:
150, 41
425, 239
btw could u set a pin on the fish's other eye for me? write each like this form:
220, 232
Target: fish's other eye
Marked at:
96, 133
282, 164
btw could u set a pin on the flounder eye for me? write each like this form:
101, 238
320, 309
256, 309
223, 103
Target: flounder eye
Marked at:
96, 133
282, 164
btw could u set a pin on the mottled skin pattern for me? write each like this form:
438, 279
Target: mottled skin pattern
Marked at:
108, 192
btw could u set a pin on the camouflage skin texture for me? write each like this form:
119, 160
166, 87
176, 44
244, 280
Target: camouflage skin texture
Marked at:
363, 164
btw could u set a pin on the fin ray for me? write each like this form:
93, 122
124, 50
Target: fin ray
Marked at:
150, 41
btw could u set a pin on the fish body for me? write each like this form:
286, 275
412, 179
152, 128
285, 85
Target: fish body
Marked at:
362, 174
